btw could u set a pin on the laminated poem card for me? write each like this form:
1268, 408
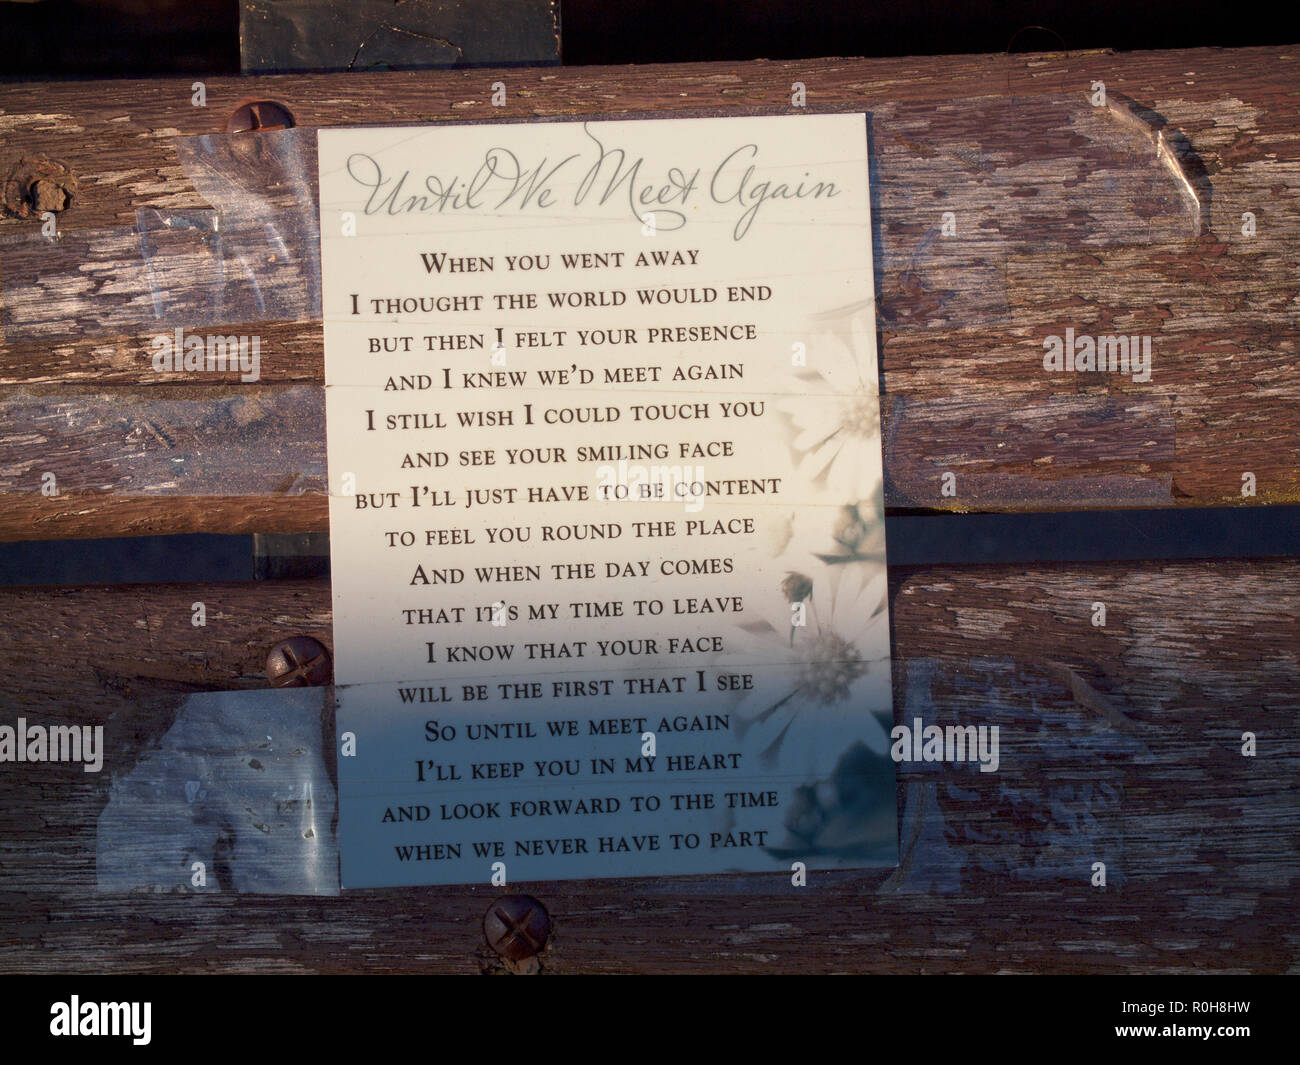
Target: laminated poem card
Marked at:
606, 505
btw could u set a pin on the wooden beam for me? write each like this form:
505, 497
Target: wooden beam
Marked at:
1119, 743
1066, 218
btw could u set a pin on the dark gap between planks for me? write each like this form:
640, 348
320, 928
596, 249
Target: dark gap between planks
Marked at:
928, 540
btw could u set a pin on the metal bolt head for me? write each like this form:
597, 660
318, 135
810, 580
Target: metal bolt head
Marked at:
259, 116
298, 663
517, 926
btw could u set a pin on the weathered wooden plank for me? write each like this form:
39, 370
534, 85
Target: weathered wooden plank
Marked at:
212, 453
1065, 219
1119, 743
1164, 928
202, 441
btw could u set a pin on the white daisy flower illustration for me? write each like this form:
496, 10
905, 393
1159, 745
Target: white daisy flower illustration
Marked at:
834, 689
836, 416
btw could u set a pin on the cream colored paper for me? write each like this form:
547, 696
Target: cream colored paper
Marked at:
530, 327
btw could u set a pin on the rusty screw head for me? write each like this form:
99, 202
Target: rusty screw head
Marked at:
298, 663
517, 926
259, 116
